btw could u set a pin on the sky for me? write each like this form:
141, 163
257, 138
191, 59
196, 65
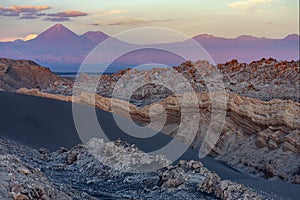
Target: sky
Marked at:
24, 19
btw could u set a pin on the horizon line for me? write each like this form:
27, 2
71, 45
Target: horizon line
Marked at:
210, 35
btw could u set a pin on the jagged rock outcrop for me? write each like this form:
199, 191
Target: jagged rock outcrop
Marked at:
20, 181
40, 174
261, 137
178, 176
265, 79
15, 74
230, 190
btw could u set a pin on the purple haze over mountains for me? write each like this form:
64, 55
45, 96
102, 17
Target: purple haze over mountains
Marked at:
62, 50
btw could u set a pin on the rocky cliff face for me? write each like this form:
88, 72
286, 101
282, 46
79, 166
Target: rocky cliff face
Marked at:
265, 79
15, 74
261, 137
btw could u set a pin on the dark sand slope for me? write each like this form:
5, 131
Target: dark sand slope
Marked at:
40, 122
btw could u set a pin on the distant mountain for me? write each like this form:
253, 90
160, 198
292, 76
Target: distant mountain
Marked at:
205, 37
58, 39
56, 34
57, 47
247, 48
246, 37
95, 36
63, 50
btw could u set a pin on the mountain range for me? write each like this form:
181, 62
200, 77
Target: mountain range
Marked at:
62, 50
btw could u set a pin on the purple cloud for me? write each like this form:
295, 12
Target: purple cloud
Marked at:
57, 19
34, 12
15, 11
29, 16
70, 13
25, 12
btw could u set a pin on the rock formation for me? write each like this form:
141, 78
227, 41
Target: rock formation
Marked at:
15, 74
265, 79
27, 173
261, 137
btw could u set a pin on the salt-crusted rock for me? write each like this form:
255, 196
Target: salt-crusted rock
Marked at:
230, 191
23, 182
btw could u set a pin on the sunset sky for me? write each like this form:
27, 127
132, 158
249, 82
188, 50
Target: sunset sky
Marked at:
23, 19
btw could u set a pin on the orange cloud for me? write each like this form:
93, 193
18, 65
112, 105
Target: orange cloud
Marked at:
25, 38
29, 37
35, 12
9, 39
15, 11
28, 8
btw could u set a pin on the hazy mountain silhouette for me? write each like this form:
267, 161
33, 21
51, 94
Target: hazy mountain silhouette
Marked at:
63, 50
247, 48
95, 36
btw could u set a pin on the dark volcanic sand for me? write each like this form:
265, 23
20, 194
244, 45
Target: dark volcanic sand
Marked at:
40, 122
